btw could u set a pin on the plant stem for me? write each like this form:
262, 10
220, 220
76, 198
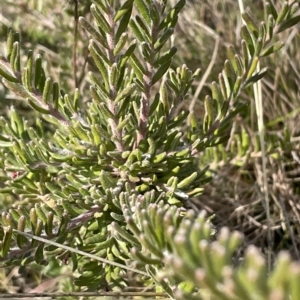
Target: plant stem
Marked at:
112, 87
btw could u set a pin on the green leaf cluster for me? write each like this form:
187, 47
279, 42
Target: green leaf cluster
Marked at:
116, 176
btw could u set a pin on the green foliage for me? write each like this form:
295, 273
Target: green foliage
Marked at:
115, 177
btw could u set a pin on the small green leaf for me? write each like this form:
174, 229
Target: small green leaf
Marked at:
288, 24
263, 31
55, 95
228, 83
217, 95
208, 112
162, 40
6, 241
113, 74
154, 104
187, 181
224, 110
126, 92
138, 67
231, 55
248, 39
99, 59
165, 57
245, 54
258, 47
39, 74
47, 90
123, 10
270, 26
16, 121
94, 33
102, 5
164, 99
272, 48
271, 10
63, 224
6, 144
161, 72
237, 85
138, 32
229, 70
144, 28
6, 72
29, 72
143, 8
9, 43
15, 58
172, 15
147, 52
17, 88
283, 12
38, 107
256, 77
125, 122
154, 14
104, 109
121, 43
128, 53
250, 24
139, 84
124, 22
33, 217
239, 65
294, 8
39, 254
138, 256
49, 223
40, 213
252, 67
223, 86
100, 20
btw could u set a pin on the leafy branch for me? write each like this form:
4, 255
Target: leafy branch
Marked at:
116, 176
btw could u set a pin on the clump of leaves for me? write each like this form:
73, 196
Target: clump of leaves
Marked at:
110, 188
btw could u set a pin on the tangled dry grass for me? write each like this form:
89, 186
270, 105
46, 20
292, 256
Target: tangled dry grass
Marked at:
236, 194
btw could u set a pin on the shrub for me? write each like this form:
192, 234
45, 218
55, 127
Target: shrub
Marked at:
109, 186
